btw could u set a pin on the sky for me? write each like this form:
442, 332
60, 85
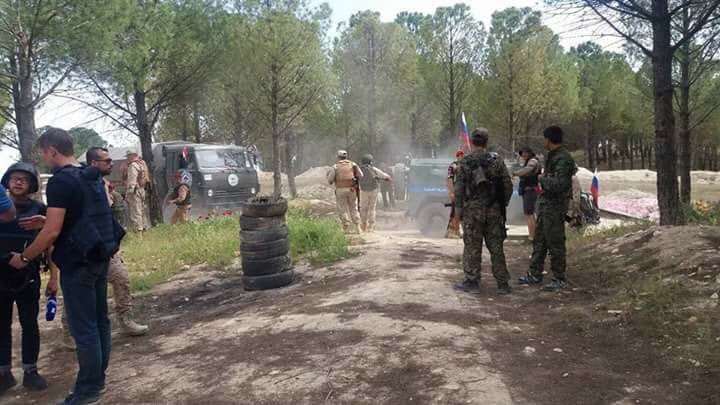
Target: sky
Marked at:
64, 114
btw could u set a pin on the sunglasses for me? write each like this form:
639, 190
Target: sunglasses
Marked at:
108, 160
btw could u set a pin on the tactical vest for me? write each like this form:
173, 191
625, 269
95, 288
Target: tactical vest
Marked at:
176, 193
368, 182
531, 180
96, 235
15, 239
344, 174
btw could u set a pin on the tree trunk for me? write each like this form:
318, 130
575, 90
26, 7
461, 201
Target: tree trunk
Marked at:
685, 134
665, 149
23, 99
632, 153
289, 166
145, 133
196, 122
372, 93
185, 132
274, 106
642, 155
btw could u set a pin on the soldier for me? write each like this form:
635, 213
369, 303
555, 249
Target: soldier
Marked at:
527, 188
556, 185
482, 193
22, 287
344, 175
137, 180
180, 196
453, 229
387, 188
369, 192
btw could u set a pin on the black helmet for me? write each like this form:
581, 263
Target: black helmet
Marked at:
367, 159
22, 167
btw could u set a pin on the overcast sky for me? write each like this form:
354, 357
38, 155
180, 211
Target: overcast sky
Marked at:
64, 114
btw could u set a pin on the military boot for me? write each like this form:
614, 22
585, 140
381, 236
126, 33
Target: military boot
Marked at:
555, 285
130, 327
7, 381
504, 289
468, 285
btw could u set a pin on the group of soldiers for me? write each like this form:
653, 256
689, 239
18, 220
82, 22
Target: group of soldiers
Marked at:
481, 188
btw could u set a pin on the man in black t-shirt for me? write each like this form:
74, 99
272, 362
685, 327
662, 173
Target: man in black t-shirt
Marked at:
83, 279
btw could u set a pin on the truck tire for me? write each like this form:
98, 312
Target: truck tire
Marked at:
252, 268
259, 207
267, 235
262, 251
260, 224
433, 220
270, 281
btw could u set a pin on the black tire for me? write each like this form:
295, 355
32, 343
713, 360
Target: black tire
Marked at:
272, 265
263, 207
261, 224
266, 235
433, 220
263, 251
268, 282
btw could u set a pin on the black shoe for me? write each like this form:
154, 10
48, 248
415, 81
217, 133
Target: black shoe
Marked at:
504, 289
34, 381
468, 285
7, 381
555, 285
74, 400
529, 279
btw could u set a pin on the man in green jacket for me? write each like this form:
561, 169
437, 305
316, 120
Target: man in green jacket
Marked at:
556, 183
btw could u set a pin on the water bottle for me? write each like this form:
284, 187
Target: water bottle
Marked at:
51, 308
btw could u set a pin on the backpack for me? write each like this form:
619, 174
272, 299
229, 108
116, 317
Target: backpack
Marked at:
344, 174
96, 235
482, 183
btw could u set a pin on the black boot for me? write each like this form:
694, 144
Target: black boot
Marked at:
468, 285
555, 285
529, 279
504, 289
34, 381
7, 381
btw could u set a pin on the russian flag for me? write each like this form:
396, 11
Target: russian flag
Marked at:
464, 135
595, 188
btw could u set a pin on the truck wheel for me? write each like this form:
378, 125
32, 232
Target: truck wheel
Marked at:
259, 207
270, 281
260, 224
266, 235
272, 265
266, 250
433, 220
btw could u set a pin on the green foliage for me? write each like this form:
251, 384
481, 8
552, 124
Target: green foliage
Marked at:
704, 213
320, 240
84, 139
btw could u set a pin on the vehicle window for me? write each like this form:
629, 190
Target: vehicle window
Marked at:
221, 158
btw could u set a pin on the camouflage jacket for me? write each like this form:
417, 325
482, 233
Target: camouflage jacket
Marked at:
557, 179
472, 192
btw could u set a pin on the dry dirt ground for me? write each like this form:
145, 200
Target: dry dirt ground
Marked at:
384, 327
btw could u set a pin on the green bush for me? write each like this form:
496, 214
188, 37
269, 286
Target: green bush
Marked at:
320, 240
704, 213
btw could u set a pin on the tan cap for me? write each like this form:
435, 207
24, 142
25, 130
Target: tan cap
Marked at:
131, 151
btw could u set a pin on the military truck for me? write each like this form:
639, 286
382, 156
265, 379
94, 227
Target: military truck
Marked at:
428, 195
223, 176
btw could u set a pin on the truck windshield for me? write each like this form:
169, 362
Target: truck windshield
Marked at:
220, 158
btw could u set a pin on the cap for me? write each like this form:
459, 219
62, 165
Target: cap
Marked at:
460, 153
480, 136
342, 154
131, 151
367, 158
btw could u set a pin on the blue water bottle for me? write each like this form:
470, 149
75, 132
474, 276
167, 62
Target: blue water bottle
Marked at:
51, 308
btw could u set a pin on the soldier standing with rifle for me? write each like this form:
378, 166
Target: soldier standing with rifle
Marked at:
345, 175
369, 192
482, 192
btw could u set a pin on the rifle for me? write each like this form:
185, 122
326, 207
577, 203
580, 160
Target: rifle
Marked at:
356, 187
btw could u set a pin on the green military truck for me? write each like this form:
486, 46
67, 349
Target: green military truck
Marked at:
428, 196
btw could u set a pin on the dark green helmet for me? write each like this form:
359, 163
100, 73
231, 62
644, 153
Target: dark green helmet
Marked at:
26, 168
367, 159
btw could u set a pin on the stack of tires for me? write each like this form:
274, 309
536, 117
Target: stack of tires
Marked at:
264, 244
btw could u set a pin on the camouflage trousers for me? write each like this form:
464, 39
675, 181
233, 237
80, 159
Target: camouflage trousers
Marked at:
347, 208
136, 210
483, 224
368, 209
119, 280
550, 238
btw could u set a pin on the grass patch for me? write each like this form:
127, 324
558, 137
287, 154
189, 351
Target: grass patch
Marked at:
160, 253
704, 213
322, 241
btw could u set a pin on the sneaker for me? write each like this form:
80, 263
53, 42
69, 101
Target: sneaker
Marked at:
72, 399
132, 328
468, 285
34, 381
504, 289
529, 279
7, 381
555, 285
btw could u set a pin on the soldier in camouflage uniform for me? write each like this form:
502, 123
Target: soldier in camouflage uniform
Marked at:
556, 183
482, 192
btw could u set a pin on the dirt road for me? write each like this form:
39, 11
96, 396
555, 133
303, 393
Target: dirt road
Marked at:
383, 327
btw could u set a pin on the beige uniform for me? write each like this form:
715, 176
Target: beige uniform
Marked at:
345, 195
135, 196
368, 200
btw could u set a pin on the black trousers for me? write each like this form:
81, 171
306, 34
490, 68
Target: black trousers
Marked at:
28, 303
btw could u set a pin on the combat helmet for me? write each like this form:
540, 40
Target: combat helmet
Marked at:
26, 168
367, 159
342, 154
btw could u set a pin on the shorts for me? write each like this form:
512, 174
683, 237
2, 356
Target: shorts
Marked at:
529, 200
